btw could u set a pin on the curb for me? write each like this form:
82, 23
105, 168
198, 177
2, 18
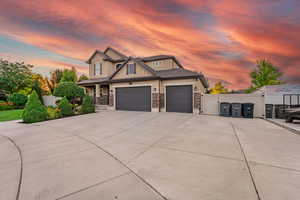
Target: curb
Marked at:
285, 127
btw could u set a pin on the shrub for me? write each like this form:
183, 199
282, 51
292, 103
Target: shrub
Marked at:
34, 110
69, 90
77, 109
87, 105
53, 113
18, 99
3, 96
65, 107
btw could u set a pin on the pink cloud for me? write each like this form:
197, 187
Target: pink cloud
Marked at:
227, 49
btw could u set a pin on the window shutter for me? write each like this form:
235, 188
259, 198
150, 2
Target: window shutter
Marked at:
127, 66
94, 69
134, 68
100, 68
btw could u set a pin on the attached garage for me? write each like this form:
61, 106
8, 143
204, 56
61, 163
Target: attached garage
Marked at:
179, 98
133, 98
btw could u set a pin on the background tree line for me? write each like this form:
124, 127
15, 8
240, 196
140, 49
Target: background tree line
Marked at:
25, 89
17, 77
264, 74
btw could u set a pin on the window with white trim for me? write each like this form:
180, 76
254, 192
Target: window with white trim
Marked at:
98, 69
131, 68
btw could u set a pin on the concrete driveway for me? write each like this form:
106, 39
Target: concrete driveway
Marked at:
149, 156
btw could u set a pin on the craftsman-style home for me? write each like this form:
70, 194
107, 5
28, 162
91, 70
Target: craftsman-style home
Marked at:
156, 83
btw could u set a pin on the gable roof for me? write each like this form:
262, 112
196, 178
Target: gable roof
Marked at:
138, 61
97, 51
115, 51
179, 73
161, 57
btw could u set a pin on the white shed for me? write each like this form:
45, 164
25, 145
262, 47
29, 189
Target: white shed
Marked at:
274, 93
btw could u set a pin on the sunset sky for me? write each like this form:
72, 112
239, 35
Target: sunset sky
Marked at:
220, 38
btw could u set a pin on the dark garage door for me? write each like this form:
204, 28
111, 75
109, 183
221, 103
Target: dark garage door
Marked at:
133, 98
179, 98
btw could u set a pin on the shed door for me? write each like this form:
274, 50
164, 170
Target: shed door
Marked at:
133, 98
179, 98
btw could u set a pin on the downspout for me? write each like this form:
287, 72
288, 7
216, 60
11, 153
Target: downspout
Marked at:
159, 95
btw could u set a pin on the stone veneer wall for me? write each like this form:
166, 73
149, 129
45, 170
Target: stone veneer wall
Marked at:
197, 100
155, 100
111, 99
102, 100
162, 100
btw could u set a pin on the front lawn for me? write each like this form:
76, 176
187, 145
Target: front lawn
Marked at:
8, 115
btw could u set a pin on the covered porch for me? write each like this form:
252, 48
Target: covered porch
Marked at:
98, 90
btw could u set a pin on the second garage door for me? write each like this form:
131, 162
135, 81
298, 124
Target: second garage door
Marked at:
179, 98
133, 98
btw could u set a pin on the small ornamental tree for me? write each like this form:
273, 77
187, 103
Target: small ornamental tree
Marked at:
218, 89
87, 105
65, 107
69, 90
264, 74
83, 77
18, 99
34, 110
69, 75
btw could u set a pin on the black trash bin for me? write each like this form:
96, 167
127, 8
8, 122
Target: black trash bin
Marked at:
225, 108
236, 110
280, 111
248, 110
269, 110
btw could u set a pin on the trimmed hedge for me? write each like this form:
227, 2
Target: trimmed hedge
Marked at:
69, 90
87, 105
18, 99
34, 110
65, 107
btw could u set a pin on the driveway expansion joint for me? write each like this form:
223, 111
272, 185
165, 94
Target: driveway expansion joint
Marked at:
246, 161
124, 165
200, 153
274, 166
21, 163
91, 186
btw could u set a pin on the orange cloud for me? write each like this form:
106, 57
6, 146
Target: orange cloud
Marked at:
235, 34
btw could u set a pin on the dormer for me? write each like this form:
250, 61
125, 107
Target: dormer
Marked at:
162, 62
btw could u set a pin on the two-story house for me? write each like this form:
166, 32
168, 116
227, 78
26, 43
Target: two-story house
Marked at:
156, 83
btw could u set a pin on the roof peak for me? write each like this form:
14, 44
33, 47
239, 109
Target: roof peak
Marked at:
115, 51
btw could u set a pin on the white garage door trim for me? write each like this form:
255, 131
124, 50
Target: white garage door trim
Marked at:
178, 84
126, 86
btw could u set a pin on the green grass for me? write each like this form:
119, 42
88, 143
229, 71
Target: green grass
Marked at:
8, 115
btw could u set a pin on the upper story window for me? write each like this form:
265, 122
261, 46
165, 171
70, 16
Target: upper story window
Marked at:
118, 66
156, 63
98, 69
131, 68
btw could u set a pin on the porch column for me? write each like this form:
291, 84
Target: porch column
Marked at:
97, 93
